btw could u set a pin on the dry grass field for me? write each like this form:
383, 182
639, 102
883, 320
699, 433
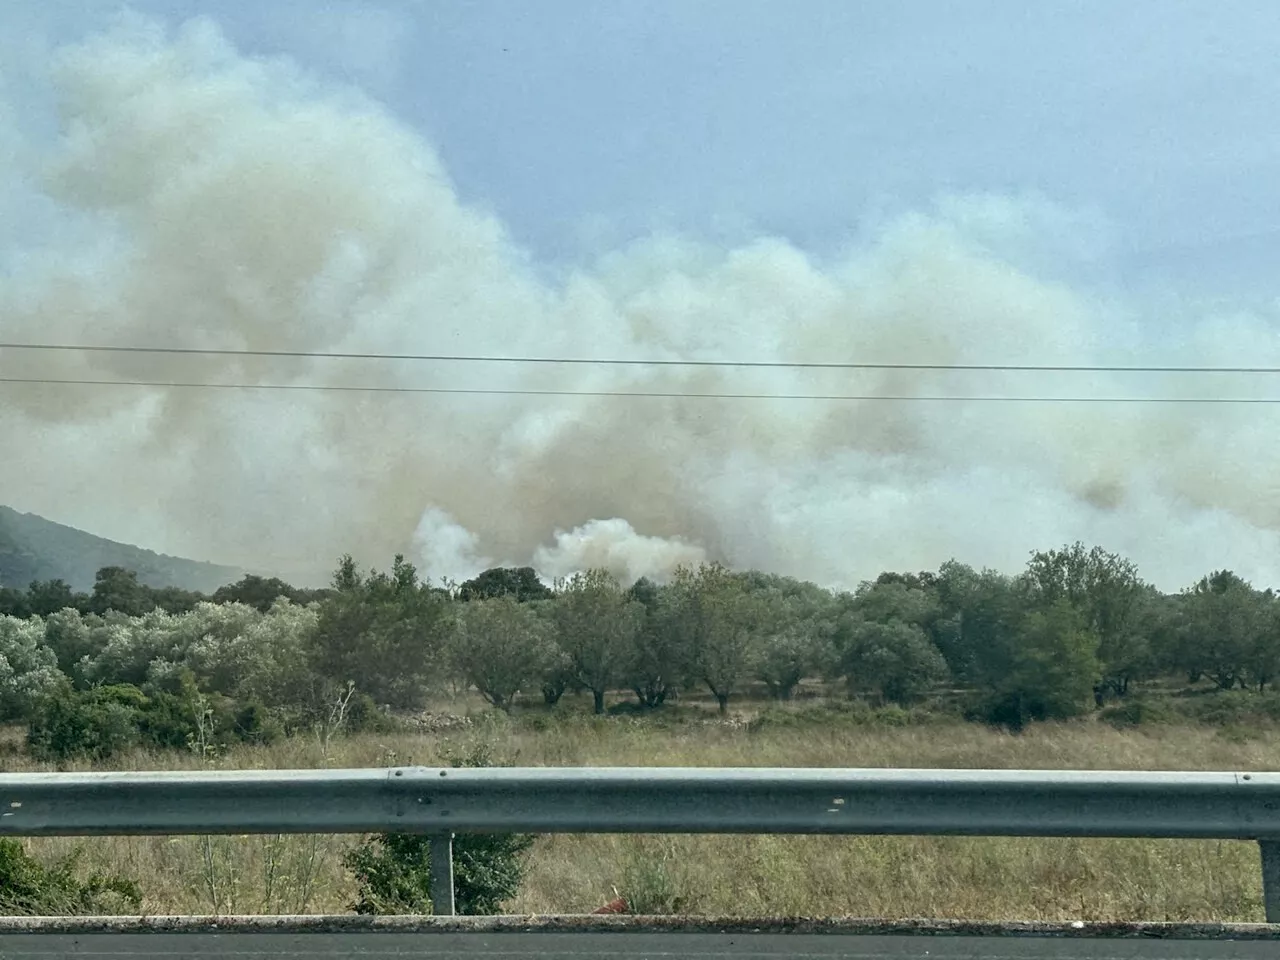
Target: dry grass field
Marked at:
856, 876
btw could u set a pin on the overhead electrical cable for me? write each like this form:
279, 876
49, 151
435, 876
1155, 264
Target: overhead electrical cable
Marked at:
640, 362
652, 394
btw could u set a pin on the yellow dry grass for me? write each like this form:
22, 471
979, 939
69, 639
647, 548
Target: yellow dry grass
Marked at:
982, 878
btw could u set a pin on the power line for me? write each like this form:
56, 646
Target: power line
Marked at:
621, 362
650, 394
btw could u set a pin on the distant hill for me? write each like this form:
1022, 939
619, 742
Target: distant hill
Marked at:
33, 548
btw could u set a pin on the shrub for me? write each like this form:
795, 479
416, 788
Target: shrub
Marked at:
392, 870
95, 725
28, 668
104, 721
253, 723
1135, 712
488, 869
29, 887
1234, 708
363, 716
848, 713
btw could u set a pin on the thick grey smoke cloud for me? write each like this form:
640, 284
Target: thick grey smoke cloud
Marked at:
199, 198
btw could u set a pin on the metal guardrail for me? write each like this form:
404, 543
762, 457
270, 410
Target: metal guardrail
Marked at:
443, 802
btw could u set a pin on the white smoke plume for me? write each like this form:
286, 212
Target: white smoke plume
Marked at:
615, 546
193, 197
447, 550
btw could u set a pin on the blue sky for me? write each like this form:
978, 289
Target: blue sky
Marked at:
586, 123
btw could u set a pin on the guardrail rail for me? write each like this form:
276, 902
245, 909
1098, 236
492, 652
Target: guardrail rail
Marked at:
442, 802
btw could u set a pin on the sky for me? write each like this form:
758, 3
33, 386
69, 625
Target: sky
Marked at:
586, 122
998, 181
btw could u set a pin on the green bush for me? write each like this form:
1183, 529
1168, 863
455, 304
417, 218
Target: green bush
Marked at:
1014, 710
842, 713
1136, 712
363, 716
1224, 708
392, 870
31, 888
488, 869
95, 724
254, 723
393, 876
101, 722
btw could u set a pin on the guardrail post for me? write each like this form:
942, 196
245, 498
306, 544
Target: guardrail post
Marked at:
440, 865
1270, 850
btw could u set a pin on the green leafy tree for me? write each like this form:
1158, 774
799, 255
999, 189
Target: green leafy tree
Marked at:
1026, 656
793, 617
261, 593
1111, 597
558, 676
175, 599
47, 597
28, 668
520, 583
596, 627
786, 655
126, 647
386, 633
895, 659
977, 627
500, 647
1052, 669
1164, 625
896, 600
117, 589
1264, 657
14, 603
719, 623
788, 641
657, 661
1228, 632
68, 635
882, 640
925, 580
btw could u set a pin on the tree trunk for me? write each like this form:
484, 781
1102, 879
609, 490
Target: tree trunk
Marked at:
598, 695
650, 696
723, 700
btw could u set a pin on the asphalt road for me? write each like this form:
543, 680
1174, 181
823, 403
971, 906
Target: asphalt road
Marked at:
611, 946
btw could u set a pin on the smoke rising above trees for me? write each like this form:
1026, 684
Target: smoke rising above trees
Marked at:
195, 196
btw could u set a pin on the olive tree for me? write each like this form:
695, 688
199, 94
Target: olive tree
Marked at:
720, 623
500, 647
596, 626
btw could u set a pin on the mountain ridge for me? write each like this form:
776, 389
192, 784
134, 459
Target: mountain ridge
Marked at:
35, 548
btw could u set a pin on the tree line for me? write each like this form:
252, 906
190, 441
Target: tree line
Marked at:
1077, 628
118, 590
